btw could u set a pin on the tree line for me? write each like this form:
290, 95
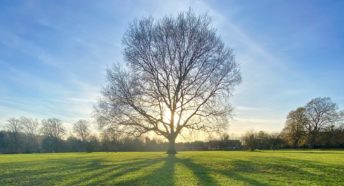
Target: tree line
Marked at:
27, 135
318, 124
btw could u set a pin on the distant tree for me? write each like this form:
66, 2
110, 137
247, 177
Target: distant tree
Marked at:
30, 128
262, 140
340, 136
81, 129
224, 137
178, 77
250, 140
53, 127
14, 127
92, 144
225, 142
294, 131
53, 131
109, 139
321, 113
4, 142
276, 141
327, 137
74, 144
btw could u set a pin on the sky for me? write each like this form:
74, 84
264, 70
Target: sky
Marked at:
53, 54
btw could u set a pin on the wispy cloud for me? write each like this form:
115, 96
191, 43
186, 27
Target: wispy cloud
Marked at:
74, 97
53, 56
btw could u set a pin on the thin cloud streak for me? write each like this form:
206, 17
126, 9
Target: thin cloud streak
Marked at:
72, 50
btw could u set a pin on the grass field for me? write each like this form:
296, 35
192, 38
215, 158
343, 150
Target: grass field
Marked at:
186, 168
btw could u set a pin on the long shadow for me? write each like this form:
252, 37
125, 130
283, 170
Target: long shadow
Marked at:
164, 175
44, 171
284, 168
161, 171
305, 151
110, 176
202, 173
254, 170
71, 171
55, 172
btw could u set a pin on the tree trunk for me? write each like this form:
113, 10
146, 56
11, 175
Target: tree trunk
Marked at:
295, 143
171, 146
312, 138
172, 136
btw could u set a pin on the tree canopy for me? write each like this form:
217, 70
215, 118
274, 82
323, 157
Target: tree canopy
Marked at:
178, 76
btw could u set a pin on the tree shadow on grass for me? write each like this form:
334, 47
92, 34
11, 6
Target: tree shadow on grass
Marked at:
263, 171
161, 171
319, 152
47, 172
112, 177
205, 174
163, 175
202, 173
70, 171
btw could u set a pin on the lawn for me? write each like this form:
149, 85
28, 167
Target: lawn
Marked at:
186, 168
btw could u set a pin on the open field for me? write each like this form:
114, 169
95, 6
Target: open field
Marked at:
186, 168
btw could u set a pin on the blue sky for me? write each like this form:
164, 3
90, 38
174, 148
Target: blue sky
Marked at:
53, 54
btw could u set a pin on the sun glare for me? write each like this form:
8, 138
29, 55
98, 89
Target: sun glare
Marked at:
167, 118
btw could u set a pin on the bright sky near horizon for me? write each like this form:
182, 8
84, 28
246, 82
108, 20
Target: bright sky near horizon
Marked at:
53, 54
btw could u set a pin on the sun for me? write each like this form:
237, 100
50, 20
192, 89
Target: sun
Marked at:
167, 117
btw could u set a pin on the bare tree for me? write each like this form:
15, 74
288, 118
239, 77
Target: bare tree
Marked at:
53, 131
178, 77
321, 112
30, 126
81, 128
53, 128
14, 126
30, 129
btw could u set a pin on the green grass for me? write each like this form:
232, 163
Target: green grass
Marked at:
186, 168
